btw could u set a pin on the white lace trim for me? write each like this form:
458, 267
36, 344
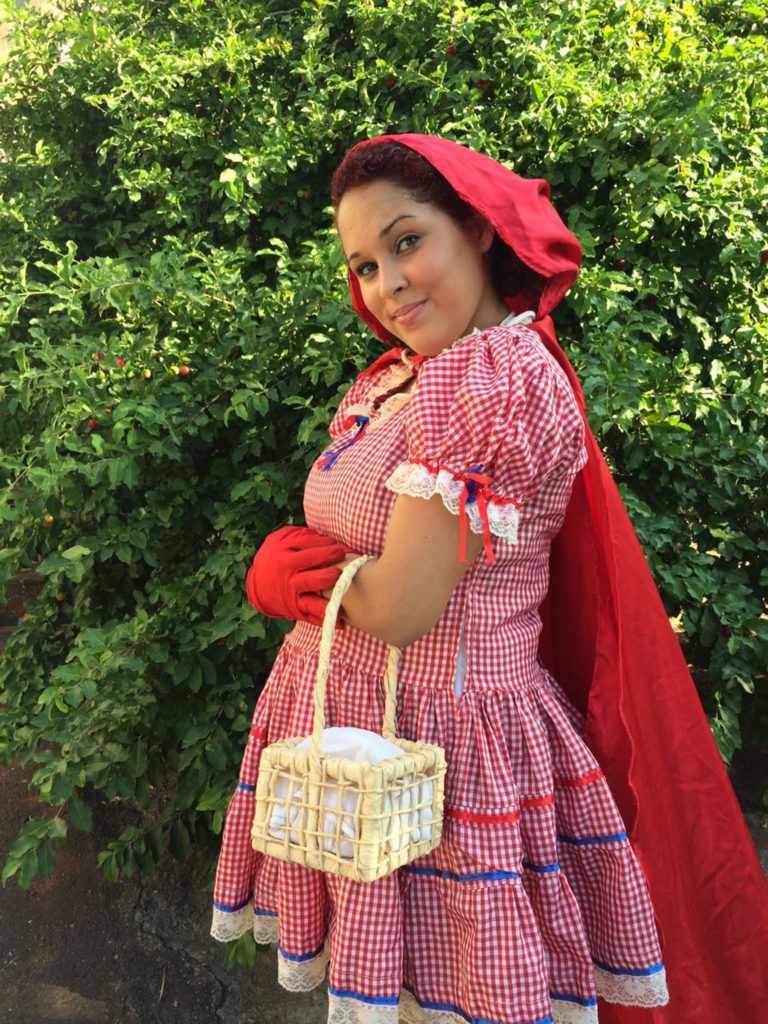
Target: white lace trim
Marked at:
522, 319
512, 320
303, 976
395, 375
228, 927
646, 990
354, 1011
264, 929
392, 405
419, 482
572, 1013
413, 1013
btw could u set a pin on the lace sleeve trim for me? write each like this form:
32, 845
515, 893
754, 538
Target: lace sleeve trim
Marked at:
419, 481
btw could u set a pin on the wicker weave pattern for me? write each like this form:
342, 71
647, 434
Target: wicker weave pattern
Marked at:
356, 819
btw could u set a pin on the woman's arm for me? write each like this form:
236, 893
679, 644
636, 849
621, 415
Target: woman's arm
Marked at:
401, 595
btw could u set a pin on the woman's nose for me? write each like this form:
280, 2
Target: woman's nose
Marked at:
391, 279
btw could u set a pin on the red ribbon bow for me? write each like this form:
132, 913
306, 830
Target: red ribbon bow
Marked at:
476, 488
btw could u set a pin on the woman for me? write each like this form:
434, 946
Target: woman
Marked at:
454, 459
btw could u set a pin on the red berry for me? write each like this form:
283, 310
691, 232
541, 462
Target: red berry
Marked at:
92, 423
619, 264
481, 83
614, 240
99, 356
727, 630
390, 83
764, 256
308, 194
490, 84
451, 50
121, 362
59, 597
108, 410
278, 203
184, 371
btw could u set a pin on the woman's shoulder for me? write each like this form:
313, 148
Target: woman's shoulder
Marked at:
507, 356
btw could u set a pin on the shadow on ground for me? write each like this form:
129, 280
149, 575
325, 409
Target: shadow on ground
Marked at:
76, 949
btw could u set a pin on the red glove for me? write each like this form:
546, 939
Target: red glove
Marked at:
289, 572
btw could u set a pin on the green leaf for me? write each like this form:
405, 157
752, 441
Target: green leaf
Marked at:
80, 814
179, 840
28, 869
46, 859
75, 552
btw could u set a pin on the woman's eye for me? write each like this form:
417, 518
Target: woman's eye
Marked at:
406, 242
365, 269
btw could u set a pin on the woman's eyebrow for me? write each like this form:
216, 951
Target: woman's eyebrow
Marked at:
383, 232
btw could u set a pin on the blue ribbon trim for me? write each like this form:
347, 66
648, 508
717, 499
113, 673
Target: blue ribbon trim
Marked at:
471, 485
246, 787
588, 840
566, 998
641, 972
481, 876
344, 993
264, 913
331, 456
231, 908
541, 868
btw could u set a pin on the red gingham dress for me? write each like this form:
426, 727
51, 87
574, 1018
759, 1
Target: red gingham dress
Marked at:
534, 902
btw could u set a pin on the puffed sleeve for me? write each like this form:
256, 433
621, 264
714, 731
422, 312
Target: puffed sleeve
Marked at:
491, 420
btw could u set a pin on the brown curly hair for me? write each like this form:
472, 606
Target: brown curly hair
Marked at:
392, 161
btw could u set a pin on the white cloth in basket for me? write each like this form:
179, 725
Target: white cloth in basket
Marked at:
357, 745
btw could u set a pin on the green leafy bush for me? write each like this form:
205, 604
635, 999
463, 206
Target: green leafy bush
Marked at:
176, 331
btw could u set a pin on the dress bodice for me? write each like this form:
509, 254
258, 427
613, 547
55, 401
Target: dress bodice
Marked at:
531, 445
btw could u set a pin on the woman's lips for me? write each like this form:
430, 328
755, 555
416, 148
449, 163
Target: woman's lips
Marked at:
406, 315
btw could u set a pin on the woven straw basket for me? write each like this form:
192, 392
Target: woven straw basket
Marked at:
360, 820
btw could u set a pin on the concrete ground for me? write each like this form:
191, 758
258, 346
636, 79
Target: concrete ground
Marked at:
76, 949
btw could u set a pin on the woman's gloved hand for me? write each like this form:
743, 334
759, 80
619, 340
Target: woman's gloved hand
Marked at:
289, 572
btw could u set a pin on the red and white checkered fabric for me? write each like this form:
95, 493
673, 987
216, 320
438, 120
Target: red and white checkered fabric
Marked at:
534, 902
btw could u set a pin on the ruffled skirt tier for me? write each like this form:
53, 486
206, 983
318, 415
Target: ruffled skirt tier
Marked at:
532, 906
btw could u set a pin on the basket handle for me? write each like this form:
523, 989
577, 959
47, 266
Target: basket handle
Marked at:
324, 662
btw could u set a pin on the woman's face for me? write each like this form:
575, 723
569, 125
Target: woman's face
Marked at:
422, 275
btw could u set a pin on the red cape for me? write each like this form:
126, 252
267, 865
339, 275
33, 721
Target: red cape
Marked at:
608, 641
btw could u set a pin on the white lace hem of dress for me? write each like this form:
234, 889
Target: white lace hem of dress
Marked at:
419, 482
226, 927
645, 990
354, 1011
572, 1013
412, 1012
304, 975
